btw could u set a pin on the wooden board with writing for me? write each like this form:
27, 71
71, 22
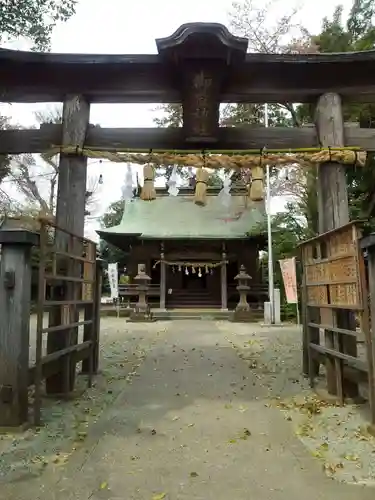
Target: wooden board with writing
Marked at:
201, 104
331, 269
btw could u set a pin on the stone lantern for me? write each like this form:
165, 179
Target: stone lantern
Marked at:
242, 312
141, 311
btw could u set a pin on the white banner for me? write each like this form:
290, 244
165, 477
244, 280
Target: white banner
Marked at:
113, 279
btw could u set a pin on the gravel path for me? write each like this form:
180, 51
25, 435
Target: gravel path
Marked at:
336, 436
192, 409
66, 423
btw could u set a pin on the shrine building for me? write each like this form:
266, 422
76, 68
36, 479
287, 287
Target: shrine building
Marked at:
193, 253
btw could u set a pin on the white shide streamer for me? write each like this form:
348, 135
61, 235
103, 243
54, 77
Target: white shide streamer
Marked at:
127, 188
224, 195
172, 183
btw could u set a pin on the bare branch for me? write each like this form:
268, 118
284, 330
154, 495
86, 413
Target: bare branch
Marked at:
25, 182
92, 198
51, 115
266, 32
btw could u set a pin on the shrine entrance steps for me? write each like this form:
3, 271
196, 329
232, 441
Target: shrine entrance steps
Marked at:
199, 314
192, 298
191, 314
184, 313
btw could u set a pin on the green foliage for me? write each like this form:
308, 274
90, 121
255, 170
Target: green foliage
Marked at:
307, 204
334, 37
289, 229
288, 312
357, 33
234, 115
360, 21
112, 218
33, 19
113, 215
124, 279
242, 114
172, 116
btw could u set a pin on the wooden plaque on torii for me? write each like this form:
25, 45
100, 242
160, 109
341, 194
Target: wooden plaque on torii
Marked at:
200, 56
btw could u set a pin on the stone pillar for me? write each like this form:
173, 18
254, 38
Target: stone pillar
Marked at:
267, 313
163, 279
142, 288
277, 306
142, 310
242, 313
15, 297
224, 284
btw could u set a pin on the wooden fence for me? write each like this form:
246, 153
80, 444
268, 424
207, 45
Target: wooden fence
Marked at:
335, 301
68, 265
68, 268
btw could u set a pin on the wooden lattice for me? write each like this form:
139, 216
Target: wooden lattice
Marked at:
331, 267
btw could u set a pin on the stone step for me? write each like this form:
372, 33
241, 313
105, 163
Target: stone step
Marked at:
186, 313
194, 303
192, 296
190, 314
200, 304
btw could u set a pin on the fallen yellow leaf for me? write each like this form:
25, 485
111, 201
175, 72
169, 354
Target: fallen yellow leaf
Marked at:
317, 454
104, 485
160, 496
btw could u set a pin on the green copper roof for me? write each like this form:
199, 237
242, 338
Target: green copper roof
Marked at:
178, 217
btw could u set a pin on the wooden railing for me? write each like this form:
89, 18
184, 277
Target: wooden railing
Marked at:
74, 275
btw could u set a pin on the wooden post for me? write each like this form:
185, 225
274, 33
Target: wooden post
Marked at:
15, 295
224, 286
70, 215
305, 332
334, 212
368, 243
310, 365
93, 333
163, 279
98, 296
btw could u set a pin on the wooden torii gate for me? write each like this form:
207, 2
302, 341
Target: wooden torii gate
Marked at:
201, 65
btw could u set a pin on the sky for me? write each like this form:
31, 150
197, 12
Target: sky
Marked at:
122, 27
